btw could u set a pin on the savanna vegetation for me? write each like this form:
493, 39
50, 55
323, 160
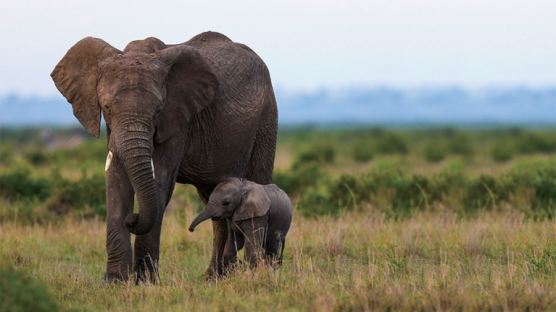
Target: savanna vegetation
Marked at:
398, 219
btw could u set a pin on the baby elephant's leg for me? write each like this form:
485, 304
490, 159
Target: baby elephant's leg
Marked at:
254, 231
234, 243
274, 248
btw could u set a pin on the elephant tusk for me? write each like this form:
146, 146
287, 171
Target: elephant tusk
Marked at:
152, 167
108, 161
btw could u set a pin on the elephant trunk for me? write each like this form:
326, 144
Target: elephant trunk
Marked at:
134, 147
204, 215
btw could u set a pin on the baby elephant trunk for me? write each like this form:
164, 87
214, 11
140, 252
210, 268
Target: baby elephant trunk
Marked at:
204, 215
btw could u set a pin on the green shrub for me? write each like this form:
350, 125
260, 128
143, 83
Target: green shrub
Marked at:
400, 196
362, 151
434, 152
319, 153
483, 193
348, 191
19, 184
316, 202
502, 152
36, 157
533, 142
91, 150
85, 196
544, 184
296, 180
6, 154
391, 143
460, 144
19, 292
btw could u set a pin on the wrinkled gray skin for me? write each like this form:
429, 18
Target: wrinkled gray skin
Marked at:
200, 112
259, 217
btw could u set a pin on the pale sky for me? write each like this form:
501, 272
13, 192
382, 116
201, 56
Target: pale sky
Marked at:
305, 43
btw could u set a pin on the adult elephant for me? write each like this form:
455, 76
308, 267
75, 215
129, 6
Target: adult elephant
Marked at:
194, 113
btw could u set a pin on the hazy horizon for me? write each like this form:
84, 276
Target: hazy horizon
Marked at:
306, 44
354, 105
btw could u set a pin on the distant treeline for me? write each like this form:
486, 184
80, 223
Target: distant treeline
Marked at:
42, 179
434, 145
396, 194
530, 191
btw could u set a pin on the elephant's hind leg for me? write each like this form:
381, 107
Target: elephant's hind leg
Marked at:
261, 163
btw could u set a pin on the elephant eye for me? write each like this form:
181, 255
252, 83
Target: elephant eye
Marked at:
225, 203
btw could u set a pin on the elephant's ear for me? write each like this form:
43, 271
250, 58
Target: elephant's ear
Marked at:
256, 203
190, 87
76, 77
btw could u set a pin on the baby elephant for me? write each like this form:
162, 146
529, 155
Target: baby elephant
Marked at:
258, 216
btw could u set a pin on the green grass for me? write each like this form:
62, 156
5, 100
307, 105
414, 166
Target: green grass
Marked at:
385, 219
358, 262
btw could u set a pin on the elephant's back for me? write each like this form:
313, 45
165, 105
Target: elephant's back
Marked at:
229, 125
209, 36
242, 74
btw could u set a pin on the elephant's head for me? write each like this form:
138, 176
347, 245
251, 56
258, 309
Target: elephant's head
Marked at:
139, 91
237, 199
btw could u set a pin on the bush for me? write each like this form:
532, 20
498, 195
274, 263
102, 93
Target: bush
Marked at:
362, 151
348, 191
316, 202
19, 292
19, 184
502, 152
400, 196
36, 157
319, 153
434, 152
296, 180
483, 193
391, 143
544, 184
92, 150
536, 143
6, 154
85, 196
460, 144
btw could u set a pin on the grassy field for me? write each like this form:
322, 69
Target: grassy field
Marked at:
353, 263
388, 227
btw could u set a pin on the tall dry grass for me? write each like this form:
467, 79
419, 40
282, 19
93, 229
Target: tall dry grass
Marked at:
356, 262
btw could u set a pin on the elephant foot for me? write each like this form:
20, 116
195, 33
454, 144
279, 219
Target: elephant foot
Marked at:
146, 270
114, 279
212, 273
147, 277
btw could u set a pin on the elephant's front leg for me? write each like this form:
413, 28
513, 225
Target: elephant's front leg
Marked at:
119, 203
147, 252
147, 247
234, 243
220, 231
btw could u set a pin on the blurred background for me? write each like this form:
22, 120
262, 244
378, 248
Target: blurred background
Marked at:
417, 137
332, 62
413, 89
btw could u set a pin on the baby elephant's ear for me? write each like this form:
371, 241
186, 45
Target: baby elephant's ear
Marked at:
255, 204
